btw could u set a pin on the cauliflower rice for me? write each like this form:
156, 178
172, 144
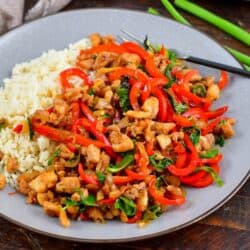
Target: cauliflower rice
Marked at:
33, 85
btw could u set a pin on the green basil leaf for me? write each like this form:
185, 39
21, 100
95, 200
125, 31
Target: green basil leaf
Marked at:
91, 91
178, 107
89, 201
126, 205
123, 93
54, 156
70, 203
160, 165
199, 89
195, 134
100, 176
220, 140
211, 171
152, 213
210, 153
126, 161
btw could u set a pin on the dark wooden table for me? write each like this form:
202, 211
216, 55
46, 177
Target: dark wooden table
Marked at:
229, 227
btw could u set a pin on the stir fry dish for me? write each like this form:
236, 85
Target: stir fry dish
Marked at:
132, 126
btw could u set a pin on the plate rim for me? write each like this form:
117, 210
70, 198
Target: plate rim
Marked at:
151, 235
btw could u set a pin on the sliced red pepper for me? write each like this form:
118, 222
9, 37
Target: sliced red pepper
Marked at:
134, 94
216, 113
75, 109
64, 75
195, 112
160, 198
136, 218
163, 104
134, 175
181, 160
188, 76
87, 112
192, 162
149, 148
146, 92
120, 180
136, 49
110, 47
87, 178
214, 160
153, 70
211, 126
71, 147
182, 121
107, 201
18, 128
223, 81
193, 177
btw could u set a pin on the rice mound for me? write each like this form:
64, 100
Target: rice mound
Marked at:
33, 85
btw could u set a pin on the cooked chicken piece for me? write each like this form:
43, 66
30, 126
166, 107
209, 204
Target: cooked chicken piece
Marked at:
130, 60
227, 129
163, 140
162, 127
103, 162
12, 165
195, 77
23, 181
102, 103
95, 214
174, 190
41, 115
51, 209
85, 61
206, 142
60, 106
141, 149
209, 81
95, 39
63, 218
213, 92
68, 185
120, 142
44, 181
150, 109
108, 39
175, 136
74, 94
93, 154
108, 95
142, 200
106, 59
41, 198
134, 190
2, 181
65, 152
160, 62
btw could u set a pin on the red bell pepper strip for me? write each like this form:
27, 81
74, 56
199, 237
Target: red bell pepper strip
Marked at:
182, 121
188, 76
192, 163
145, 94
18, 128
136, 217
214, 160
163, 104
107, 201
153, 70
120, 180
149, 148
193, 177
216, 113
136, 49
71, 147
110, 47
64, 75
160, 198
195, 112
223, 81
89, 179
133, 74
75, 110
134, 94
211, 126
135, 175
181, 160
87, 112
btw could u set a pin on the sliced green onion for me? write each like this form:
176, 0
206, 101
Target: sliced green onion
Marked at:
153, 11
174, 13
245, 59
246, 67
126, 161
217, 21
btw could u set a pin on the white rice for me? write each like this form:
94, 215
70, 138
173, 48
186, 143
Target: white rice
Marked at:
32, 86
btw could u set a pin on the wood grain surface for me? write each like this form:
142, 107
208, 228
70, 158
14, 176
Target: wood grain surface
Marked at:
229, 227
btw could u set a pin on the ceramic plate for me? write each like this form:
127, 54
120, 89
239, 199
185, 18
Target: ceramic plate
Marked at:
56, 32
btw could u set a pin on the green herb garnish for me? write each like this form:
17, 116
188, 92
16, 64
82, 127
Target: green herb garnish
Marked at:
211, 171
123, 93
160, 165
100, 176
178, 107
91, 91
210, 153
199, 89
126, 205
220, 140
153, 11
54, 156
151, 213
126, 161
195, 134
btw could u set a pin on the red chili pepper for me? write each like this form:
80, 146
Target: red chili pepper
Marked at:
90, 179
136, 218
188, 76
214, 160
133, 74
223, 81
110, 47
149, 148
162, 51
153, 70
134, 94
195, 112
181, 160
216, 113
84, 216
64, 75
107, 201
75, 109
18, 128
134, 175
159, 197
146, 92
87, 112
193, 177
163, 104
71, 147
182, 121
192, 162
120, 180
211, 126
136, 49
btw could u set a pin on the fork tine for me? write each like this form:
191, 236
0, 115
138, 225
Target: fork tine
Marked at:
129, 34
122, 38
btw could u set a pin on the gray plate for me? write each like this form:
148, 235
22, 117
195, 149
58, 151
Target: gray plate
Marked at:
57, 32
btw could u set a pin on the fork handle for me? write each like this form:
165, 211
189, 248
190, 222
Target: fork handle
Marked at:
217, 65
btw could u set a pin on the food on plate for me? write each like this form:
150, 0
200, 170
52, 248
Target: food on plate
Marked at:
103, 130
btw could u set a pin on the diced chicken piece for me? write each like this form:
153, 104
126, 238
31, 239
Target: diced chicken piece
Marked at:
103, 163
213, 92
23, 182
95, 214
206, 142
209, 81
130, 60
93, 154
120, 142
163, 140
65, 152
42, 115
74, 94
227, 129
51, 209
160, 62
174, 190
175, 136
162, 127
63, 218
44, 181
12, 165
150, 109
95, 39
2, 181
134, 190
142, 200
108, 39
68, 185
106, 59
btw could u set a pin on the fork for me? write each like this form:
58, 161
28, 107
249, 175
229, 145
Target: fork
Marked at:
193, 59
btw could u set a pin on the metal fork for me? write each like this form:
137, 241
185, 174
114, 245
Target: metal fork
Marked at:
189, 58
